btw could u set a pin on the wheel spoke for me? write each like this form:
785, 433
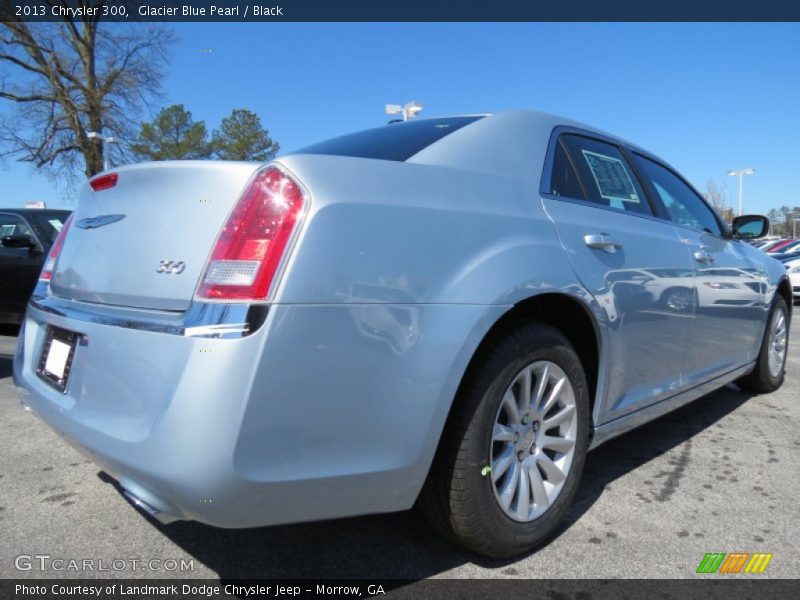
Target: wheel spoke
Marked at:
502, 433
525, 391
552, 398
542, 378
510, 405
557, 444
523, 494
551, 470
540, 498
501, 463
509, 488
565, 414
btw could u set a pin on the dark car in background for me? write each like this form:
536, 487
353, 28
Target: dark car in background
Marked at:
26, 235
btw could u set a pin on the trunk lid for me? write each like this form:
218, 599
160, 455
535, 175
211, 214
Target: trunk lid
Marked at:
172, 212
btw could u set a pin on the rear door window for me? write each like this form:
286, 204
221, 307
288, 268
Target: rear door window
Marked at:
606, 177
564, 181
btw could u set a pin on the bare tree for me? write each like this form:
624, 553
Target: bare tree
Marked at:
72, 77
717, 196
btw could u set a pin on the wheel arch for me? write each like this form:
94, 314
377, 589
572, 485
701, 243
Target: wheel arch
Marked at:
785, 290
567, 313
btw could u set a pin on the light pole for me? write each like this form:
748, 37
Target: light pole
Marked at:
94, 135
409, 110
795, 219
740, 173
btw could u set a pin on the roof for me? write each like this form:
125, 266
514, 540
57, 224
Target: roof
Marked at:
33, 211
510, 143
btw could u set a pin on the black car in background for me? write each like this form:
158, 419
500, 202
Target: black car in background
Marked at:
26, 235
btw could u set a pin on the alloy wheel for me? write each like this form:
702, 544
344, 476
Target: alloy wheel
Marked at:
533, 441
778, 340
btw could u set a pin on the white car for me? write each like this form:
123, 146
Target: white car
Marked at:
793, 267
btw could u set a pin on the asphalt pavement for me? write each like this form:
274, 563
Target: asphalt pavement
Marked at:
719, 475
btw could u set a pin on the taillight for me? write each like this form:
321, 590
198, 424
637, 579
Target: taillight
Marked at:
253, 240
55, 249
104, 182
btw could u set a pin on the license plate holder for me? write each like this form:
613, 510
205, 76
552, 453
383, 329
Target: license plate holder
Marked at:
55, 361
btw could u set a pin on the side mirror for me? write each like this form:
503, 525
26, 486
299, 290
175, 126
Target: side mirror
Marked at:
750, 227
18, 241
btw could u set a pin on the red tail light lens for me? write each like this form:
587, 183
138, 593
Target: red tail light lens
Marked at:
253, 241
55, 249
104, 182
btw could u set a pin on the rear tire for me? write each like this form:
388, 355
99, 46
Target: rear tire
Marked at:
768, 374
461, 498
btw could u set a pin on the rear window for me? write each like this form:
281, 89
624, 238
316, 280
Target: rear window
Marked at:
397, 141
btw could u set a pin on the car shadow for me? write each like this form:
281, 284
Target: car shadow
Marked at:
6, 366
9, 329
402, 545
7, 348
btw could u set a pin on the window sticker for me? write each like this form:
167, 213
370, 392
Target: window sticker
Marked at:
7, 230
611, 177
57, 225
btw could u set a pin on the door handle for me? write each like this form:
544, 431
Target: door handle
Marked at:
704, 256
602, 241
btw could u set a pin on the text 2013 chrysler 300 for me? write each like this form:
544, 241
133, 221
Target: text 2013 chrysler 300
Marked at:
449, 312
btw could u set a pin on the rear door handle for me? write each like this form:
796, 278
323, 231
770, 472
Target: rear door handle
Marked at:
704, 256
602, 241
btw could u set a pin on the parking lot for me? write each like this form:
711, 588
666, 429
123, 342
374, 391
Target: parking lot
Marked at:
719, 475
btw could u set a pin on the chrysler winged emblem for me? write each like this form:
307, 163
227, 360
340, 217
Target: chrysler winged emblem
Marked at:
99, 221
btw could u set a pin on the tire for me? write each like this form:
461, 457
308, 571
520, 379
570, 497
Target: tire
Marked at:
460, 497
678, 299
764, 379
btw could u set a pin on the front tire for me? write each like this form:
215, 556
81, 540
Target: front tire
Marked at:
768, 374
679, 299
515, 444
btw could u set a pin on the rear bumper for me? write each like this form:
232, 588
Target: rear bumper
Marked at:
324, 412
155, 407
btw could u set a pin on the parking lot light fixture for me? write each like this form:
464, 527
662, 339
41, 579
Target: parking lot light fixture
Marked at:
740, 173
409, 110
95, 135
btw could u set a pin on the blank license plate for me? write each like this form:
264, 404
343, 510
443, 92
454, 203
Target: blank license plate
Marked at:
56, 360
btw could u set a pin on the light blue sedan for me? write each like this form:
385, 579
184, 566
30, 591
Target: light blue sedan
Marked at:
447, 312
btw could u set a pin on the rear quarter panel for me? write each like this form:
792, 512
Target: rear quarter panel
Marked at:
386, 232
399, 272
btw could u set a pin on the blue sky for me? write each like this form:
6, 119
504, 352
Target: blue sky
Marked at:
705, 97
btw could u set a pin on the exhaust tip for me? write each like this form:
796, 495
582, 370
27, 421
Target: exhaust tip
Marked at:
139, 504
142, 506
